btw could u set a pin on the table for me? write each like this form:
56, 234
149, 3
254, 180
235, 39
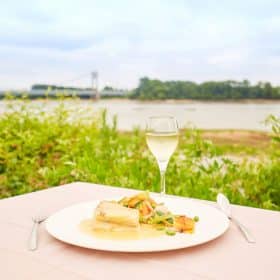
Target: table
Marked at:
228, 257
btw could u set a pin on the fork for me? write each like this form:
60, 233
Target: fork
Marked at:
33, 239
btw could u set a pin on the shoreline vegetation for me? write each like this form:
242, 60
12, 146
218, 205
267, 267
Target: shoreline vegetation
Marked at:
41, 149
210, 90
143, 101
154, 89
189, 101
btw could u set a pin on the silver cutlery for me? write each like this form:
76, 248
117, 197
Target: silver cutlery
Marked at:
33, 239
224, 205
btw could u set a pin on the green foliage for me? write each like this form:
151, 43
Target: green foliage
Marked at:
156, 89
274, 122
39, 150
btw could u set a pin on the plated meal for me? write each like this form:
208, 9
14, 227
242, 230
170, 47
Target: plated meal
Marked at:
140, 223
136, 217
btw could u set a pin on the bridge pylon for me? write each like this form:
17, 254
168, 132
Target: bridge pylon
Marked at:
94, 83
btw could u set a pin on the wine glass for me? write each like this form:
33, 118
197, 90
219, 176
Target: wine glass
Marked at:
162, 140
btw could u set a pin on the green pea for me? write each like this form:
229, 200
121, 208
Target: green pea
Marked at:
196, 218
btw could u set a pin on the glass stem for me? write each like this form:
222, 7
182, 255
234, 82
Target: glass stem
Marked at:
162, 182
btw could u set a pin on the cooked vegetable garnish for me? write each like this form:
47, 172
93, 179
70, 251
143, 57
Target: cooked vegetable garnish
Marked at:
196, 218
170, 231
158, 215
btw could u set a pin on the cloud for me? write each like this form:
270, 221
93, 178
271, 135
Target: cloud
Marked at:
54, 41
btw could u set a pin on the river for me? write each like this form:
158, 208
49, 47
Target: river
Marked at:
205, 115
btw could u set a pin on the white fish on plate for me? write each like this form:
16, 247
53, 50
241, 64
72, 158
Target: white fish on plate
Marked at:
113, 217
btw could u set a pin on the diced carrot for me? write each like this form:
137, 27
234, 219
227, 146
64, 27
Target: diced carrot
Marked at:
145, 208
183, 223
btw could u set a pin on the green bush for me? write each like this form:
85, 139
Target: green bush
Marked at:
40, 149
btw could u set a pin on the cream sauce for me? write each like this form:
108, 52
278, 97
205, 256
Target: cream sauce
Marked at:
145, 231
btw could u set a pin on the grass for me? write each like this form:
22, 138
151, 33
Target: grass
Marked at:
39, 150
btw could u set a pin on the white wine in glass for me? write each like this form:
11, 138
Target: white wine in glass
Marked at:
162, 140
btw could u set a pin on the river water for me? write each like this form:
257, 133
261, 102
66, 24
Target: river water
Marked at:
206, 115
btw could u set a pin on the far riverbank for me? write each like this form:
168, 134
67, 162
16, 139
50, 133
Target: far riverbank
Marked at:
191, 101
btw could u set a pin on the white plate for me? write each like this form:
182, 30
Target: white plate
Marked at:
64, 225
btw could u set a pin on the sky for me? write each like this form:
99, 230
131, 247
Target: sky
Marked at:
62, 41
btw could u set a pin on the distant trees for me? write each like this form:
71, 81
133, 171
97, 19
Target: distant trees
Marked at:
211, 90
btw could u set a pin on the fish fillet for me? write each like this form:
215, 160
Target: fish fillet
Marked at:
113, 213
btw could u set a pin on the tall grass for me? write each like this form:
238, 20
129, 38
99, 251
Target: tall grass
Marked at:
40, 149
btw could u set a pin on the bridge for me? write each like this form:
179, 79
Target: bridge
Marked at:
46, 90
37, 93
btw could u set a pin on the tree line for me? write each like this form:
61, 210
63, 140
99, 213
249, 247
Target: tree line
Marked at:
212, 90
